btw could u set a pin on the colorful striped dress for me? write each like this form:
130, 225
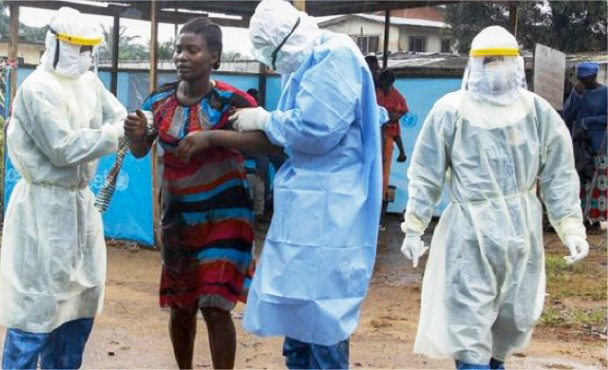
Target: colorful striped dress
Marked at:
206, 215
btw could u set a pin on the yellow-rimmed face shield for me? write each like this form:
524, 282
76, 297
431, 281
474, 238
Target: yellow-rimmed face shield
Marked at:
77, 40
490, 52
85, 49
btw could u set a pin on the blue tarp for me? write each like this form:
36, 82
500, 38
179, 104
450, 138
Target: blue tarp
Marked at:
130, 213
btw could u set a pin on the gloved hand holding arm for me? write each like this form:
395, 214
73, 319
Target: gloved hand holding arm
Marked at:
559, 183
249, 119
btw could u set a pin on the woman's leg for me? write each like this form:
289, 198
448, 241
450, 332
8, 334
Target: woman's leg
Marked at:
222, 337
182, 329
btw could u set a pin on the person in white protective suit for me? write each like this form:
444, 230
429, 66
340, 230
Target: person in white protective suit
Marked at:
319, 252
53, 256
492, 144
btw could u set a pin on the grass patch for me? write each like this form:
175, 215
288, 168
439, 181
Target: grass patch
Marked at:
581, 280
575, 317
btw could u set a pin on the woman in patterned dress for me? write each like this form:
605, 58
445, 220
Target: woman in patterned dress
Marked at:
206, 222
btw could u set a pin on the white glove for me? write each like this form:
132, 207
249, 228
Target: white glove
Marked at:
248, 119
579, 248
413, 248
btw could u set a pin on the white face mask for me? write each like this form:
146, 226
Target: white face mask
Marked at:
84, 62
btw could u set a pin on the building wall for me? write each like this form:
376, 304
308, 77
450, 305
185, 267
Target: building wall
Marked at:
428, 13
398, 35
30, 53
433, 38
353, 27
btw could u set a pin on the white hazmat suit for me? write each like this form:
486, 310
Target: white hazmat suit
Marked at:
491, 144
53, 261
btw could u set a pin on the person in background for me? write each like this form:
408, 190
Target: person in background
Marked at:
53, 263
206, 216
389, 97
585, 115
254, 94
490, 144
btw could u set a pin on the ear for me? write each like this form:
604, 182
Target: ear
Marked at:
215, 60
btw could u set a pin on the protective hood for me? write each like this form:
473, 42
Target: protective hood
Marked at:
495, 71
281, 35
69, 30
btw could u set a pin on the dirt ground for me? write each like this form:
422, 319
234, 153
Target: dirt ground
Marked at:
132, 330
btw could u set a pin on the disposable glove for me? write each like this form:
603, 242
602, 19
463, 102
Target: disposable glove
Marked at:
248, 119
413, 248
578, 246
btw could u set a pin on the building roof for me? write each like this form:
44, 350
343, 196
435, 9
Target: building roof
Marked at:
397, 21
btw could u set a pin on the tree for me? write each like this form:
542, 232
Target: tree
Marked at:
128, 48
232, 56
569, 26
27, 33
165, 50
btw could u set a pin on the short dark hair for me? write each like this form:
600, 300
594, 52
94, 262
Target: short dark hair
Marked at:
388, 76
371, 59
210, 31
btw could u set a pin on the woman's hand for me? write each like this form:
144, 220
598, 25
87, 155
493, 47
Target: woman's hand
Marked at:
193, 144
136, 126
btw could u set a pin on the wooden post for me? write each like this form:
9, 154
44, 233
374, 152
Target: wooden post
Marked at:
13, 46
156, 181
513, 8
262, 85
154, 45
300, 5
387, 23
115, 41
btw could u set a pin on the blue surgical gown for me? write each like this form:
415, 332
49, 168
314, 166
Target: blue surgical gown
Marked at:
319, 253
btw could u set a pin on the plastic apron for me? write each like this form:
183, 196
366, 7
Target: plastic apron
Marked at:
319, 253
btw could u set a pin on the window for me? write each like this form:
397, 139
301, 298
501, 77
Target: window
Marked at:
417, 44
446, 45
367, 43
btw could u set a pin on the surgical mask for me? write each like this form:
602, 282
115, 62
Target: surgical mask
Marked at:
84, 62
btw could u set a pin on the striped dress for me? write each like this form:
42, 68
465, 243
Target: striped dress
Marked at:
206, 215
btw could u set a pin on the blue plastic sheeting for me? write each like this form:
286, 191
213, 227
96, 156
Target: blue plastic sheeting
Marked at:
273, 92
420, 94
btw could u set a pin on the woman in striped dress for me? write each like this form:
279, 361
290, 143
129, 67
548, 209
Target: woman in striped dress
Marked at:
207, 218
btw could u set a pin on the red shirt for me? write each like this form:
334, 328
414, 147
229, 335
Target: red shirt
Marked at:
392, 101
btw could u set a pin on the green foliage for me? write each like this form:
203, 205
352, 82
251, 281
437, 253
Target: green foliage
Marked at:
165, 50
569, 26
232, 56
27, 33
128, 46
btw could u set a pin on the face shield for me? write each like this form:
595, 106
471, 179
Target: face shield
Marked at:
495, 71
71, 44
